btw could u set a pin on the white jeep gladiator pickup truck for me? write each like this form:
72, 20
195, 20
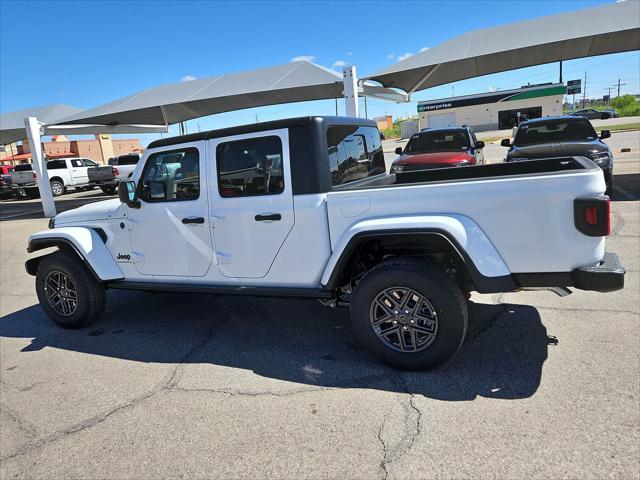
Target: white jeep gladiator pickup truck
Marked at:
304, 208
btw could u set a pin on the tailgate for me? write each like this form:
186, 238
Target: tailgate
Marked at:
21, 178
100, 174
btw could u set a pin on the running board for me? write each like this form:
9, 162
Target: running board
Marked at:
286, 292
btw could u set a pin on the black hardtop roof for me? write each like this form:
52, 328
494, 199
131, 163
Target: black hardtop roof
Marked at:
259, 127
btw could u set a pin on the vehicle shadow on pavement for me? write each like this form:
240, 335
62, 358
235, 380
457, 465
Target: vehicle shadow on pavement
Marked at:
626, 187
297, 341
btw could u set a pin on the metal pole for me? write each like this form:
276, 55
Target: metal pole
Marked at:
336, 107
40, 166
560, 71
366, 114
584, 90
350, 81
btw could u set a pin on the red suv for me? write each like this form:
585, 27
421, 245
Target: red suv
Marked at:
439, 148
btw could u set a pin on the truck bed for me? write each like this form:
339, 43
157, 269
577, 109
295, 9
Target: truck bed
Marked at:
548, 166
525, 209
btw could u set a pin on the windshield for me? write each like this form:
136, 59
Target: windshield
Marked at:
438, 141
555, 131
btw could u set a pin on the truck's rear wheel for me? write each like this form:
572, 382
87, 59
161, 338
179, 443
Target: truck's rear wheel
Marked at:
409, 315
68, 293
57, 188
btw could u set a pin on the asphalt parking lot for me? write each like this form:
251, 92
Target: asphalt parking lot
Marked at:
188, 386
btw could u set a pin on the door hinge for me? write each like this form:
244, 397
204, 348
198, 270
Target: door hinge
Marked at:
223, 258
217, 221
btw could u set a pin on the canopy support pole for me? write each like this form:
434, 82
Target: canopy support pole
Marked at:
32, 126
424, 79
350, 81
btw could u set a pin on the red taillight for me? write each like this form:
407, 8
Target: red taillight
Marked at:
115, 171
34, 176
592, 216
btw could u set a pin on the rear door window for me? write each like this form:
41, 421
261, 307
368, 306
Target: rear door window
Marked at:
250, 167
355, 152
128, 160
56, 164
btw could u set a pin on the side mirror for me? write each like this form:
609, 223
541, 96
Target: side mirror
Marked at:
605, 134
398, 150
505, 142
479, 144
127, 194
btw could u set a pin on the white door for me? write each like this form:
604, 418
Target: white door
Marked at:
251, 201
441, 120
77, 171
171, 231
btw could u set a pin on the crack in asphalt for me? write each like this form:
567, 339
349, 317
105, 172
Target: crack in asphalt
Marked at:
249, 394
405, 443
24, 426
167, 384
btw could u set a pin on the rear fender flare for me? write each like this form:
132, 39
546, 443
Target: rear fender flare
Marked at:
484, 264
86, 243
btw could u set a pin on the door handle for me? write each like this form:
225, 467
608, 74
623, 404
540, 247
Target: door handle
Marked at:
274, 217
193, 220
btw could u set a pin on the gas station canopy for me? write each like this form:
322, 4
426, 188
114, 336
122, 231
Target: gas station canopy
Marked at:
610, 28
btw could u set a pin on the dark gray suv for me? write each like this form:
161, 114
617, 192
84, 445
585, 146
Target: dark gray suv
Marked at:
561, 136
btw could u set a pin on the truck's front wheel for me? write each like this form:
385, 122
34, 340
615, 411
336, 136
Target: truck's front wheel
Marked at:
409, 314
68, 293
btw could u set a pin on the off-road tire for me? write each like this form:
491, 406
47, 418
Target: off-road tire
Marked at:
91, 295
429, 281
57, 188
108, 190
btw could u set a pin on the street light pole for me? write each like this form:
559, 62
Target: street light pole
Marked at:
32, 126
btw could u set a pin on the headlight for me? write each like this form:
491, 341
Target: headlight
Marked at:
396, 168
601, 158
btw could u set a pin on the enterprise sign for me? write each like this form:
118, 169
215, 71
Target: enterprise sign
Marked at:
436, 106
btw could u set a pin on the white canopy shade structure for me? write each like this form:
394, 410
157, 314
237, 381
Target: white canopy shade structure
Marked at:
154, 109
12, 127
178, 102
605, 29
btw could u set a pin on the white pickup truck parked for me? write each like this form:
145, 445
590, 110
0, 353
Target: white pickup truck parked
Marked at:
303, 208
63, 173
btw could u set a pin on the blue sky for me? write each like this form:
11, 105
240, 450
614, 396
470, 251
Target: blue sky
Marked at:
89, 53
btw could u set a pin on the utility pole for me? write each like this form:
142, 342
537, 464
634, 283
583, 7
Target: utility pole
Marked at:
453, 91
618, 85
366, 114
584, 90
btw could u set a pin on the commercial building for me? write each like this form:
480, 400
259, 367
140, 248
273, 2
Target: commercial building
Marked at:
100, 149
493, 110
384, 122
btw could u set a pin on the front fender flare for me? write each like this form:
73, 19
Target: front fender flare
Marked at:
481, 257
85, 242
